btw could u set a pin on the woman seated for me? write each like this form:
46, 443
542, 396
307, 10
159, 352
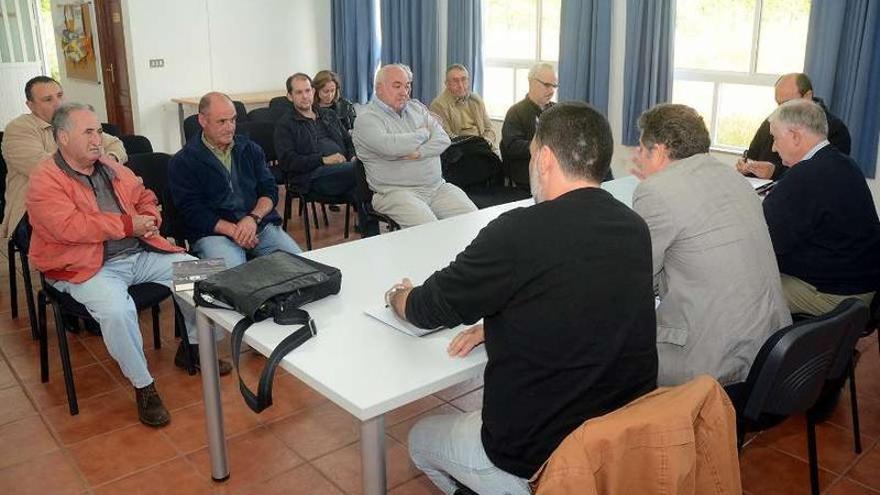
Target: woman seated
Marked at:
327, 91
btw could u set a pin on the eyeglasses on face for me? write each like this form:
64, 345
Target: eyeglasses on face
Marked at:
547, 85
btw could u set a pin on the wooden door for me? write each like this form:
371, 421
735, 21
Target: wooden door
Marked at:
111, 38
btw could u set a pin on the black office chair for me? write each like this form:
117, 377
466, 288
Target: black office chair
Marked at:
874, 318
279, 106
109, 128
844, 367
64, 306
241, 113
14, 246
263, 114
263, 133
135, 144
791, 369
364, 197
191, 126
153, 169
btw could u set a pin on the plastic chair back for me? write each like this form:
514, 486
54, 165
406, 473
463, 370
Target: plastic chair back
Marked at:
262, 133
136, 144
790, 370
153, 169
191, 126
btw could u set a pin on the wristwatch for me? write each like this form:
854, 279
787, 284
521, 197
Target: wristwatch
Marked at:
257, 218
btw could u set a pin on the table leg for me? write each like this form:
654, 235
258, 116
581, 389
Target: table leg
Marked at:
211, 392
180, 120
373, 455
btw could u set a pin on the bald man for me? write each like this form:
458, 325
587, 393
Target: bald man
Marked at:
224, 190
400, 143
761, 159
520, 122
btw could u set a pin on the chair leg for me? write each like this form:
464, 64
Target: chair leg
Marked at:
29, 294
315, 215
854, 405
44, 337
814, 462
65, 361
307, 227
180, 328
288, 203
347, 220
13, 289
324, 211
157, 336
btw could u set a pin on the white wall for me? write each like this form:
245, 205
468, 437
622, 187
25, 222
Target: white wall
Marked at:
222, 45
76, 89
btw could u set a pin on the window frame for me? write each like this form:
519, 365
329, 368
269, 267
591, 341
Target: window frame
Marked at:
508, 63
719, 77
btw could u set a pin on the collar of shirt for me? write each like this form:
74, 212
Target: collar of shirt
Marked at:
217, 151
463, 100
385, 107
67, 169
815, 150
41, 123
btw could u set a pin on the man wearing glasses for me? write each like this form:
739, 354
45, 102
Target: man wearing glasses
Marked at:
519, 123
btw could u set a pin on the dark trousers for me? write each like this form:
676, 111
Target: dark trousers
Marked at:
339, 181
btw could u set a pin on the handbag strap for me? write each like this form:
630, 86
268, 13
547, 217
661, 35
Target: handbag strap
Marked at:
263, 398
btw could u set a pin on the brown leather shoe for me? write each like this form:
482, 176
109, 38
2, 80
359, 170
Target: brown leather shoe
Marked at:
151, 411
181, 361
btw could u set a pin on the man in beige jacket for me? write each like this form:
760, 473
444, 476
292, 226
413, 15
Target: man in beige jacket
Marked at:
28, 140
473, 158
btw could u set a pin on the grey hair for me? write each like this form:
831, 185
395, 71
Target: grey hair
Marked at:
460, 67
61, 119
533, 72
801, 114
380, 74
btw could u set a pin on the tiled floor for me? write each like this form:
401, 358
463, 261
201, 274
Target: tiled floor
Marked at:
303, 443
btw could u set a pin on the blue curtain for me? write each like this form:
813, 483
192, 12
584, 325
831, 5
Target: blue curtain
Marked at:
410, 36
648, 69
464, 39
843, 61
355, 40
585, 48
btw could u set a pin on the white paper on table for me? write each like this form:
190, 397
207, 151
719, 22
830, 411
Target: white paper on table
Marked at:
387, 316
756, 182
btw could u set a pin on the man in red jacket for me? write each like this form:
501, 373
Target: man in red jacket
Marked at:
95, 233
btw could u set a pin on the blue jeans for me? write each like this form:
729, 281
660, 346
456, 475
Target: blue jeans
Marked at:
271, 239
106, 298
449, 449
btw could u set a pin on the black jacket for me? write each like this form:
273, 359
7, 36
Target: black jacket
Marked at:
516, 135
761, 147
565, 290
824, 225
296, 143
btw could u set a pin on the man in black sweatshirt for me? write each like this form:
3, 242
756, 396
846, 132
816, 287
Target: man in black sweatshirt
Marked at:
565, 292
821, 216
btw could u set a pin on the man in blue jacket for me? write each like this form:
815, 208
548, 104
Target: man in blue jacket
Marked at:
224, 190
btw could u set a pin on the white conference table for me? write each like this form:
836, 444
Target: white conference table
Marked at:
356, 361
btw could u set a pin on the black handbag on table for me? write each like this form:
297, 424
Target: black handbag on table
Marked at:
273, 286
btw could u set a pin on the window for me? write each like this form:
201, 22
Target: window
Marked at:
729, 54
18, 42
517, 34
